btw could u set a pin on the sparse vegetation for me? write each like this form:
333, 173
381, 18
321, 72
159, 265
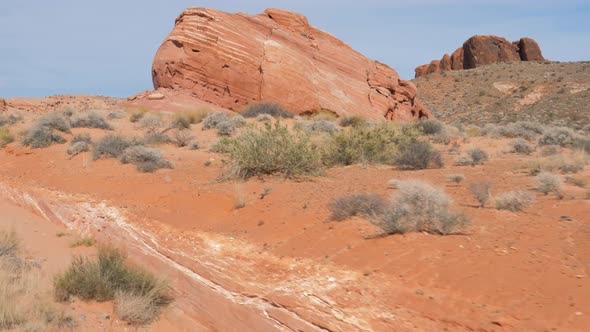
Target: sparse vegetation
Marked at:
514, 200
264, 118
457, 178
146, 159
151, 123
474, 156
184, 120
430, 126
417, 155
9, 120
274, 110
481, 192
89, 119
117, 114
137, 114
367, 205
112, 146
579, 182
316, 125
42, 134
419, 207
5, 136
352, 121
182, 137
270, 150
561, 136
520, 145
108, 278
549, 183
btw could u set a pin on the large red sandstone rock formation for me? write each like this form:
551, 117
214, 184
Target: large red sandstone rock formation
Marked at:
236, 59
484, 50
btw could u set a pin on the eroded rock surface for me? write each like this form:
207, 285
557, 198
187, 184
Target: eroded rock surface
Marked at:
236, 59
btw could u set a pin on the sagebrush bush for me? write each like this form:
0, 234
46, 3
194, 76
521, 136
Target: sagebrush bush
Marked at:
474, 156
184, 120
137, 114
5, 136
145, 159
481, 192
367, 205
417, 155
194, 146
238, 121
213, 119
457, 178
264, 118
523, 129
225, 128
419, 207
9, 120
78, 147
514, 200
54, 121
352, 121
89, 119
561, 136
151, 123
549, 183
117, 114
103, 278
182, 137
316, 125
274, 110
582, 143
520, 145
272, 149
40, 136
156, 138
137, 309
83, 137
430, 126
374, 145
112, 146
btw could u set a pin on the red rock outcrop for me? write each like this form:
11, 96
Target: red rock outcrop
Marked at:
233, 60
3, 105
484, 50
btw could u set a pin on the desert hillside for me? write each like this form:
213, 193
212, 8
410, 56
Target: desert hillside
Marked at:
547, 92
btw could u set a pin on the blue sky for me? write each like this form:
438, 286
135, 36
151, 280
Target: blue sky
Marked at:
106, 47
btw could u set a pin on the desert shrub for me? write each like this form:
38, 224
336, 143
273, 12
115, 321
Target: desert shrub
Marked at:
522, 129
514, 200
194, 146
274, 110
571, 168
457, 178
213, 119
550, 150
146, 159
117, 114
419, 207
352, 121
443, 136
575, 181
319, 126
151, 123
9, 120
78, 147
103, 278
112, 146
182, 137
582, 143
83, 137
90, 119
270, 150
40, 136
137, 309
184, 120
368, 205
5, 136
561, 136
520, 145
374, 144
481, 192
474, 156
156, 138
264, 118
548, 183
238, 121
417, 155
225, 128
430, 126
9, 243
54, 121
137, 114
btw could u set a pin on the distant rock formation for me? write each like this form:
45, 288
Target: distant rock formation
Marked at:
3, 105
233, 60
484, 50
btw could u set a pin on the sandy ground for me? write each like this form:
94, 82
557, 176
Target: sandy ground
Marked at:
512, 271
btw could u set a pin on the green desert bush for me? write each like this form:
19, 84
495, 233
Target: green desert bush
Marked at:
514, 200
112, 146
89, 119
146, 159
5, 136
417, 155
108, 277
374, 145
520, 145
272, 149
419, 207
367, 205
549, 183
274, 110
